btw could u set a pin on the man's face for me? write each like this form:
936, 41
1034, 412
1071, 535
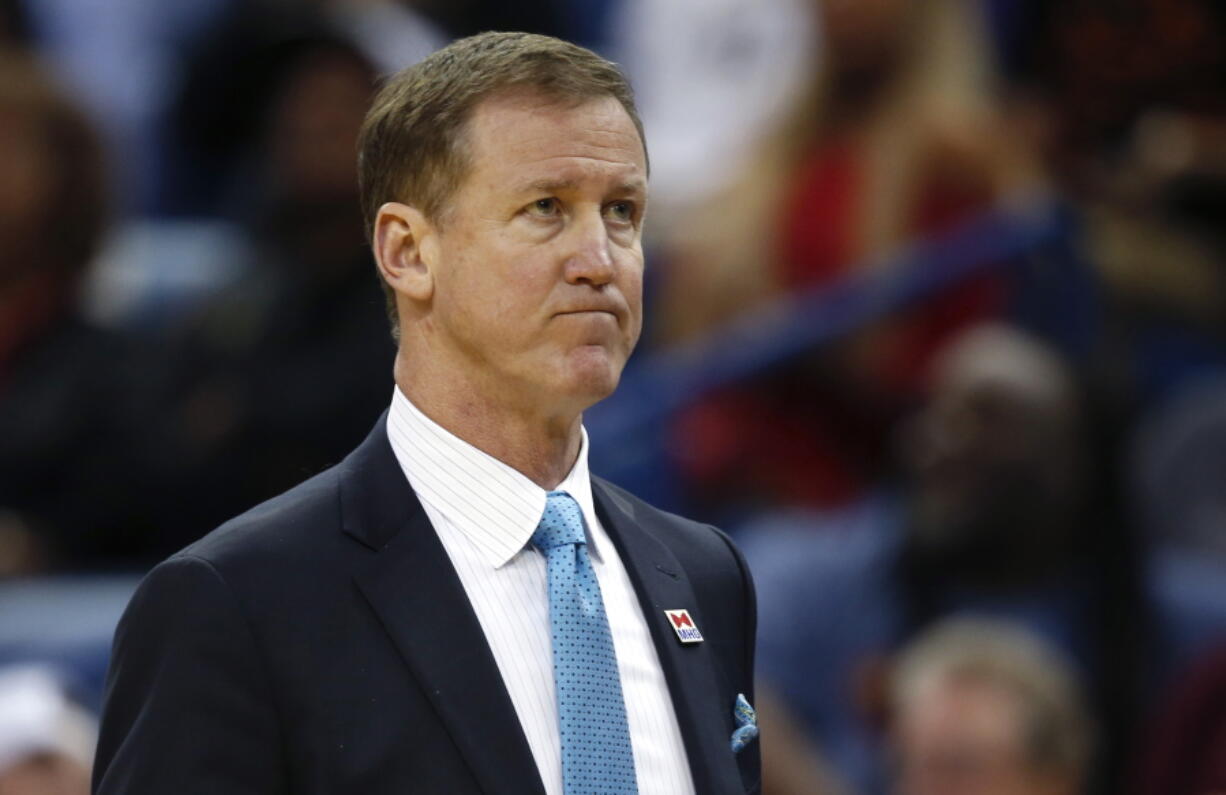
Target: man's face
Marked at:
538, 287
966, 738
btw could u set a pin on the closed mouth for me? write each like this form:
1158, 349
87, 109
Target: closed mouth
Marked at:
589, 312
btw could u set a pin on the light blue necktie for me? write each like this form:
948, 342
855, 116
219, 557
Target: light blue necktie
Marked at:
596, 752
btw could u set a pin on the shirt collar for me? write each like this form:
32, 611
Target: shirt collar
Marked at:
492, 504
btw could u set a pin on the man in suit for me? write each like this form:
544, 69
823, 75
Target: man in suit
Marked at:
458, 606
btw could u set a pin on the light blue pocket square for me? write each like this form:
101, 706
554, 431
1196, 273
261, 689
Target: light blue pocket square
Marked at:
746, 722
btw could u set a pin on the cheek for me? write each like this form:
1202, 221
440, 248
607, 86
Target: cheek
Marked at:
632, 290
500, 306
632, 286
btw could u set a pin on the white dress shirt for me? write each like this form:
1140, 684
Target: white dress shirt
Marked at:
485, 512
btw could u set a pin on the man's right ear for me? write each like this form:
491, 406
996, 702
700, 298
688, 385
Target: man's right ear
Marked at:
405, 250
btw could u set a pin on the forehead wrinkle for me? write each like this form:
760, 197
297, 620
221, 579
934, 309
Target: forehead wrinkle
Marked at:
531, 152
574, 174
522, 150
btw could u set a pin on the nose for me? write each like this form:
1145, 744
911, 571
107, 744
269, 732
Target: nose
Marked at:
590, 260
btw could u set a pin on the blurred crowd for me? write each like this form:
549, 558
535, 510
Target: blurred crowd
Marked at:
987, 526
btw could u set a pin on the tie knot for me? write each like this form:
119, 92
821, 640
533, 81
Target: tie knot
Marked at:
561, 524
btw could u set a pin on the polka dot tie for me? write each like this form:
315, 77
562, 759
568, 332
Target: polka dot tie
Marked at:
596, 752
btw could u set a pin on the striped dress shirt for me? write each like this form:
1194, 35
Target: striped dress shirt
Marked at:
485, 512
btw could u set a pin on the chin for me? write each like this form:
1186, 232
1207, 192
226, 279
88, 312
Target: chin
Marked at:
592, 375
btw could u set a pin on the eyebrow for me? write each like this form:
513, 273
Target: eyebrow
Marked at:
555, 185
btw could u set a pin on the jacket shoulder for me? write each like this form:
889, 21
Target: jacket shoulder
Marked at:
679, 533
279, 529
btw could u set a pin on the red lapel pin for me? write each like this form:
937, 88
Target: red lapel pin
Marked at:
684, 626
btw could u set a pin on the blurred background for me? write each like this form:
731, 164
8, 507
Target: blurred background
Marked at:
936, 329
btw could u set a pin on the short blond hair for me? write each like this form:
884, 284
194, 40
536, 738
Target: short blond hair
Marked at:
1057, 730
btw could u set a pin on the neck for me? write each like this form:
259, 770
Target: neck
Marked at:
540, 446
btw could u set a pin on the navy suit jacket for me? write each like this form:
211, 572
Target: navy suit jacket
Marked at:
322, 643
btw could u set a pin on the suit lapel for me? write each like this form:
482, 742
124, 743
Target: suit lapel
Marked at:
660, 583
413, 588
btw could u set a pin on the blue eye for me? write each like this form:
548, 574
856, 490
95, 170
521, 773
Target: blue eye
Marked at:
622, 211
544, 208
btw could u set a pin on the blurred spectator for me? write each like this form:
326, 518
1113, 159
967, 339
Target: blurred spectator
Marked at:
712, 79
1015, 501
902, 143
220, 118
46, 740
985, 709
998, 463
70, 473
897, 137
1102, 66
121, 62
1133, 98
908, 145
284, 370
1153, 203
1001, 514
156, 268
